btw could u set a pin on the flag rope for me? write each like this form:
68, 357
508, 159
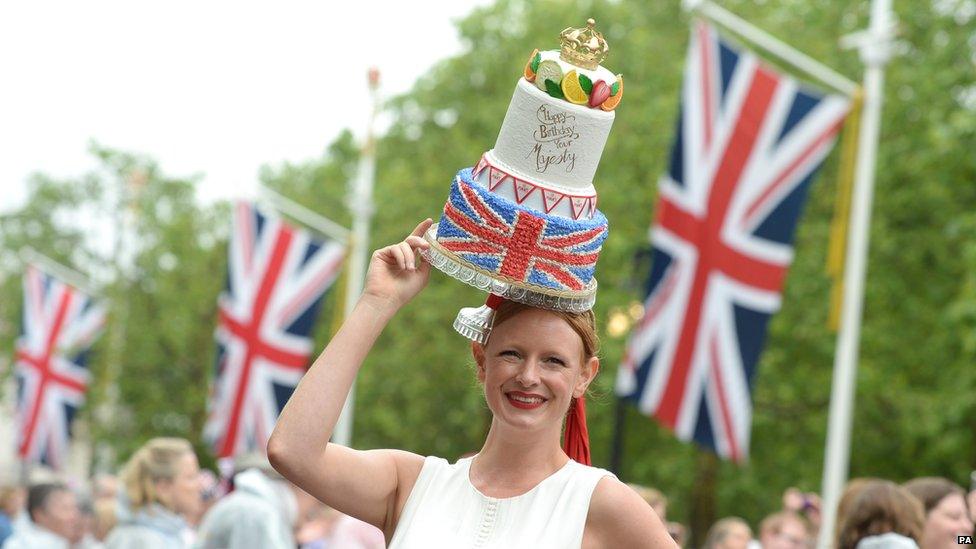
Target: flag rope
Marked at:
837, 247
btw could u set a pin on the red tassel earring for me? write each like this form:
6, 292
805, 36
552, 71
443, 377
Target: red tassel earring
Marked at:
576, 438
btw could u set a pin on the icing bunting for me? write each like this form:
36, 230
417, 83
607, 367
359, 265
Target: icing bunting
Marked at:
495, 177
522, 190
550, 199
480, 167
581, 206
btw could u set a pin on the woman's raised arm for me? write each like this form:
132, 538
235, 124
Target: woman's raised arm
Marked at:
363, 484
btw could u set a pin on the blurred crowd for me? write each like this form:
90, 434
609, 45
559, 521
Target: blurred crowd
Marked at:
162, 499
873, 513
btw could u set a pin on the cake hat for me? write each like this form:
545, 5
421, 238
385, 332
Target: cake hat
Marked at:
522, 223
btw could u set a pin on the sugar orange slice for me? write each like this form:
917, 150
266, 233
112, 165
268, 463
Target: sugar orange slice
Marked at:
572, 90
528, 73
614, 100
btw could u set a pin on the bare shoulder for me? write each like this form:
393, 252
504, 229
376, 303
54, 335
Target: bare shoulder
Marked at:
618, 517
408, 466
371, 485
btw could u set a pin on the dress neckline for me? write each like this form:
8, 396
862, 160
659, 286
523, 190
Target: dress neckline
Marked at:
467, 479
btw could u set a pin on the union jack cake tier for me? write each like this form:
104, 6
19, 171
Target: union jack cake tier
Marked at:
523, 222
515, 252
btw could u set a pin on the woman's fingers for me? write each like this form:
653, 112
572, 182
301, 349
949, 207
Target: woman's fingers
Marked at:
417, 243
408, 256
398, 256
420, 229
402, 253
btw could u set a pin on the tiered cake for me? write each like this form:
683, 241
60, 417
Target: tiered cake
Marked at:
523, 223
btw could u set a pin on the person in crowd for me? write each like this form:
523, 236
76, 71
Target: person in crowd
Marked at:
678, 532
105, 486
84, 535
316, 526
807, 506
728, 533
533, 366
161, 488
654, 498
847, 498
880, 515
12, 500
784, 530
105, 517
946, 514
212, 489
971, 500
260, 512
352, 533
54, 519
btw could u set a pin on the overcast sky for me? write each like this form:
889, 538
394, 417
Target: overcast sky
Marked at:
212, 87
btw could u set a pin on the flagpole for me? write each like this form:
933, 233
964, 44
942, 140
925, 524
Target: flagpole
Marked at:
771, 44
875, 50
361, 205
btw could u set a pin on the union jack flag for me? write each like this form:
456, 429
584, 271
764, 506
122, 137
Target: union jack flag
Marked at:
749, 142
517, 243
60, 324
276, 277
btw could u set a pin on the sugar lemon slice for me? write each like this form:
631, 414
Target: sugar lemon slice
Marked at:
548, 70
572, 90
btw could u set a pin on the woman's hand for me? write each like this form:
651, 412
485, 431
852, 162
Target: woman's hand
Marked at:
395, 273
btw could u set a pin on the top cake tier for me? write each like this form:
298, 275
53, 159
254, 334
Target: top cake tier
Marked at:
550, 142
559, 118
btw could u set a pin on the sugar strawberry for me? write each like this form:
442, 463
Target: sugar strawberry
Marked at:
600, 93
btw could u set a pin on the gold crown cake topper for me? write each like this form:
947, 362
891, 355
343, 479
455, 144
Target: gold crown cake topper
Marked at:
583, 47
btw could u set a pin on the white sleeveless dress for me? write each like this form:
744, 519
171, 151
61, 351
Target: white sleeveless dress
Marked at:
445, 510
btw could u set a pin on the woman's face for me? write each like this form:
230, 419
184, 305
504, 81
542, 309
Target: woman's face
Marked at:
945, 521
531, 367
183, 494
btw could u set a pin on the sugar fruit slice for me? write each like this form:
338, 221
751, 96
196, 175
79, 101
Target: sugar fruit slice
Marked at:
548, 70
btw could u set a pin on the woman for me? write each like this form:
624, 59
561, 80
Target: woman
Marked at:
946, 515
883, 515
162, 489
520, 490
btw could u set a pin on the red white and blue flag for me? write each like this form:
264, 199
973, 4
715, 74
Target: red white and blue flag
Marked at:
749, 141
60, 324
276, 277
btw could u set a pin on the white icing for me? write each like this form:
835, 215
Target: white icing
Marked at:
552, 142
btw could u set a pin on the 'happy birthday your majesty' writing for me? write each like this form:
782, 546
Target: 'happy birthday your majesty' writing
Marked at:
553, 139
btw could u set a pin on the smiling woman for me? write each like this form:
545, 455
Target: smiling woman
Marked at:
520, 490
